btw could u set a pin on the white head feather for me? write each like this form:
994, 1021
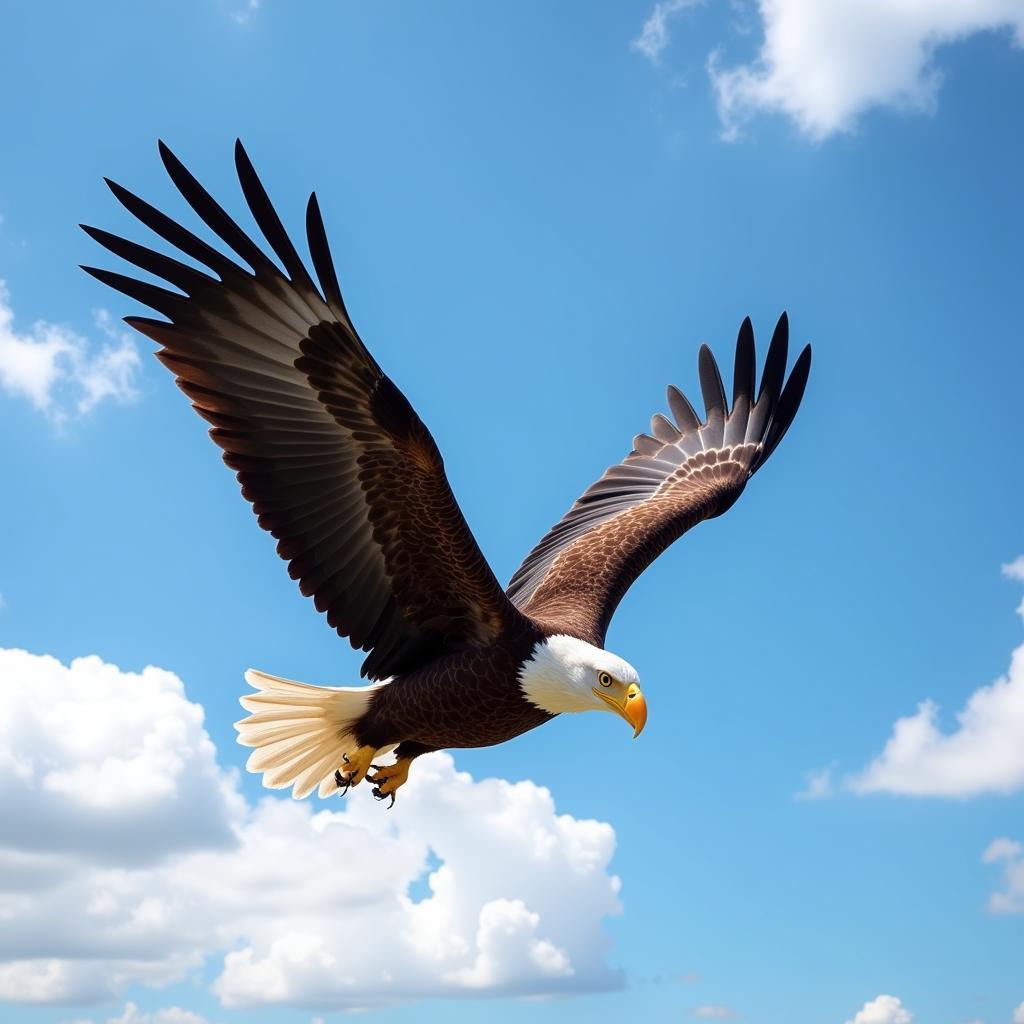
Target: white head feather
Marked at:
561, 673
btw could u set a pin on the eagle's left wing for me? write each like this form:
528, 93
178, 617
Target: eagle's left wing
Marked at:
687, 472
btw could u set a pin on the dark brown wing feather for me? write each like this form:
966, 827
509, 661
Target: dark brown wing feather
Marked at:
675, 477
334, 459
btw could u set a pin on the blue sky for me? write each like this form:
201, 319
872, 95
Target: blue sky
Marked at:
536, 222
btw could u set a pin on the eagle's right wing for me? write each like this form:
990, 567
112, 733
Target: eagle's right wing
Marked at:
337, 465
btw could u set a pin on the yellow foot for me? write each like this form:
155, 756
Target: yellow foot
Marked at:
387, 780
354, 768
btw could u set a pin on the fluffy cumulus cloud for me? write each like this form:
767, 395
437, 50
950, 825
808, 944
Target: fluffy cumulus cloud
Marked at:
128, 855
60, 372
1009, 854
1018, 1015
515, 905
102, 764
983, 754
824, 64
883, 1010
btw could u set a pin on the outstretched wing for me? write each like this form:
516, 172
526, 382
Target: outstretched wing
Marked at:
688, 471
337, 465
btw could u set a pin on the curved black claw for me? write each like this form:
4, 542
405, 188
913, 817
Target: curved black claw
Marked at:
378, 795
343, 784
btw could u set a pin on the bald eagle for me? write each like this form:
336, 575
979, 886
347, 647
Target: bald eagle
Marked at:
341, 470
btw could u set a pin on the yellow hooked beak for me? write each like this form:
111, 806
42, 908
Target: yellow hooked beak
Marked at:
627, 702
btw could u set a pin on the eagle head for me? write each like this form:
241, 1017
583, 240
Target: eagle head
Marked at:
565, 674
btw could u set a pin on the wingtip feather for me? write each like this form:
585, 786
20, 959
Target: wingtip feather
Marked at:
167, 156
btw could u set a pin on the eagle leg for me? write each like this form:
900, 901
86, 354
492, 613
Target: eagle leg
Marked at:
387, 779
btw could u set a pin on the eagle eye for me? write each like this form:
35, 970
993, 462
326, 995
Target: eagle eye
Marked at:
604, 679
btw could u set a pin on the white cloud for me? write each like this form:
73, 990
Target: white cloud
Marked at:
509, 949
883, 1010
1018, 1015
128, 855
515, 907
824, 64
713, 1011
48, 980
984, 754
59, 371
1010, 855
103, 764
110, 373
654, 36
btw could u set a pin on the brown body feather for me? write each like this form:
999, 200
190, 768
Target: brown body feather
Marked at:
467, 699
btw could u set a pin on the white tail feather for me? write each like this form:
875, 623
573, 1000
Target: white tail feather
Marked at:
300, 732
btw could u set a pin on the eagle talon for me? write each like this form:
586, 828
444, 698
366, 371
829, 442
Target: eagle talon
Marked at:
378, 795
354, 768
344, 783
388, 778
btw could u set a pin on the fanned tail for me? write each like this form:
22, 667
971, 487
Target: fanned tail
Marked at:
299, 732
